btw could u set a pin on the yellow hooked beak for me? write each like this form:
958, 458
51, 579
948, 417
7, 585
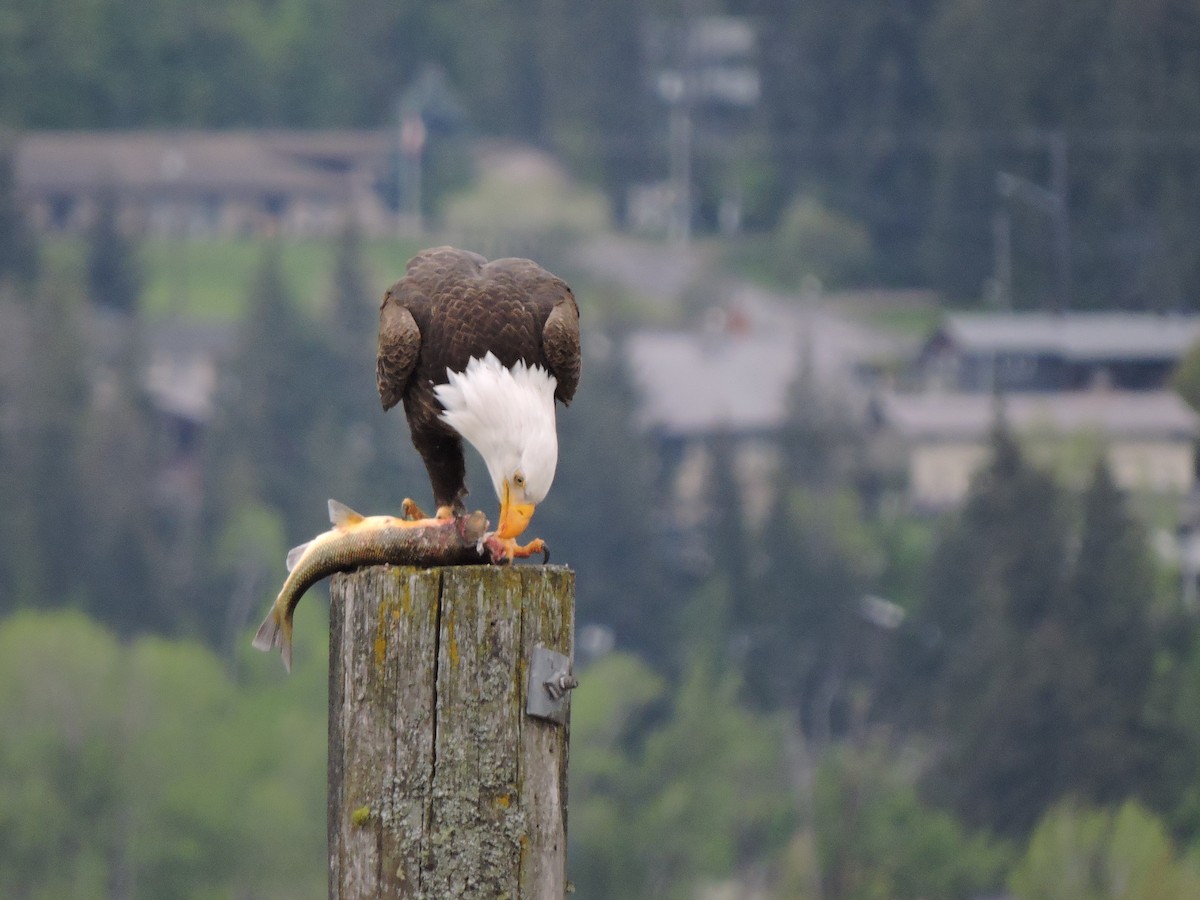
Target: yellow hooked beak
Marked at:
514, 517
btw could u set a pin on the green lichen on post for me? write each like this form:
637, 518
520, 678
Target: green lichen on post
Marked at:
361, 817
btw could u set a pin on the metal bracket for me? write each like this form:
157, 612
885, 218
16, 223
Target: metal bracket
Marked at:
550, 680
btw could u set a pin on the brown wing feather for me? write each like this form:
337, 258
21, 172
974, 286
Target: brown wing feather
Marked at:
550, 301
399, 346
560, 344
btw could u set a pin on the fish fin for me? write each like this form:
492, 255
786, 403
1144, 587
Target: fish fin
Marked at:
295, 553
343, 516
275, 631
267, 636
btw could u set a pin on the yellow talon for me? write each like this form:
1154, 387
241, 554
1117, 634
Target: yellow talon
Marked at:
512, 550
409, 510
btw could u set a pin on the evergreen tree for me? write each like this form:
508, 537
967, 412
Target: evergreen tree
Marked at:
277, 385
114, 280
18, 247
599, 517
798, 616
44, 386
842, 88
127, 545
257, 456
1041, 680
354, 306
729, 539
362, 456
807, 568
996, 578
1109, 748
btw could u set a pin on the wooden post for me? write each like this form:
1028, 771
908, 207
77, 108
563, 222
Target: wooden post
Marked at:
440, 784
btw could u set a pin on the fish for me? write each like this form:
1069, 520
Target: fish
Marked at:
356, 540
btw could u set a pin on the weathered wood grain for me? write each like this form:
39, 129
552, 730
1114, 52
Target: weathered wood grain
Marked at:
439, 784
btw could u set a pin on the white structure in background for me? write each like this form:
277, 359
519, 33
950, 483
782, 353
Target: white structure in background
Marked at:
941, 440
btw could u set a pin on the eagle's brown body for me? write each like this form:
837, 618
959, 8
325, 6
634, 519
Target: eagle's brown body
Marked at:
452, 306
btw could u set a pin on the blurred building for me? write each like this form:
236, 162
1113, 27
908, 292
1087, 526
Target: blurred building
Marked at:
207, 183
694, 388
940, 440
985, 352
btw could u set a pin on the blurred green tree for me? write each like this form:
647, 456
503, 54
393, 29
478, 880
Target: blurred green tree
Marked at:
46, 392
997, 572
266, 405
844, 94
258, 453
142, 770
676, 802
1041, 678
129, 531
876, 840
1111, 652
114, 277
1082, 853
600, 517
1186, 377
18, 245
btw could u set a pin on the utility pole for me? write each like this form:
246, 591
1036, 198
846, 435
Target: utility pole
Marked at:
672, 87
1062, 216
1054, 201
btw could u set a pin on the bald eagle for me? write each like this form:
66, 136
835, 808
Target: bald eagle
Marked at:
481, 350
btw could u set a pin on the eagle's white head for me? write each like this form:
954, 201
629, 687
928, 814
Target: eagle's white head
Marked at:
508, 416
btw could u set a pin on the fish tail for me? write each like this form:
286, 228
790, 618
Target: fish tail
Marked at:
276, 631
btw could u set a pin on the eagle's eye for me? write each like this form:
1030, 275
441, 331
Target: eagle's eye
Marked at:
519, 480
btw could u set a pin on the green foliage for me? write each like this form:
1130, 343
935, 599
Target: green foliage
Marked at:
1077, 853
269, 400
143, 770
839, 90
667, 805
812, 240
877, 841
114, 279
44, 384
534, 206
1040, 679
599, 517
1186, 377
129, 536
18, 246
795, 622
1094, 67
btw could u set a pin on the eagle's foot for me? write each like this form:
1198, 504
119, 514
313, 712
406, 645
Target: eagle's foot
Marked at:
410, 511
507, 549
447, 512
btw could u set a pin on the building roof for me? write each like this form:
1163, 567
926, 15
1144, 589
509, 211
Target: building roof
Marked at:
1078, 336
959, 416
193, 162
693, 384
